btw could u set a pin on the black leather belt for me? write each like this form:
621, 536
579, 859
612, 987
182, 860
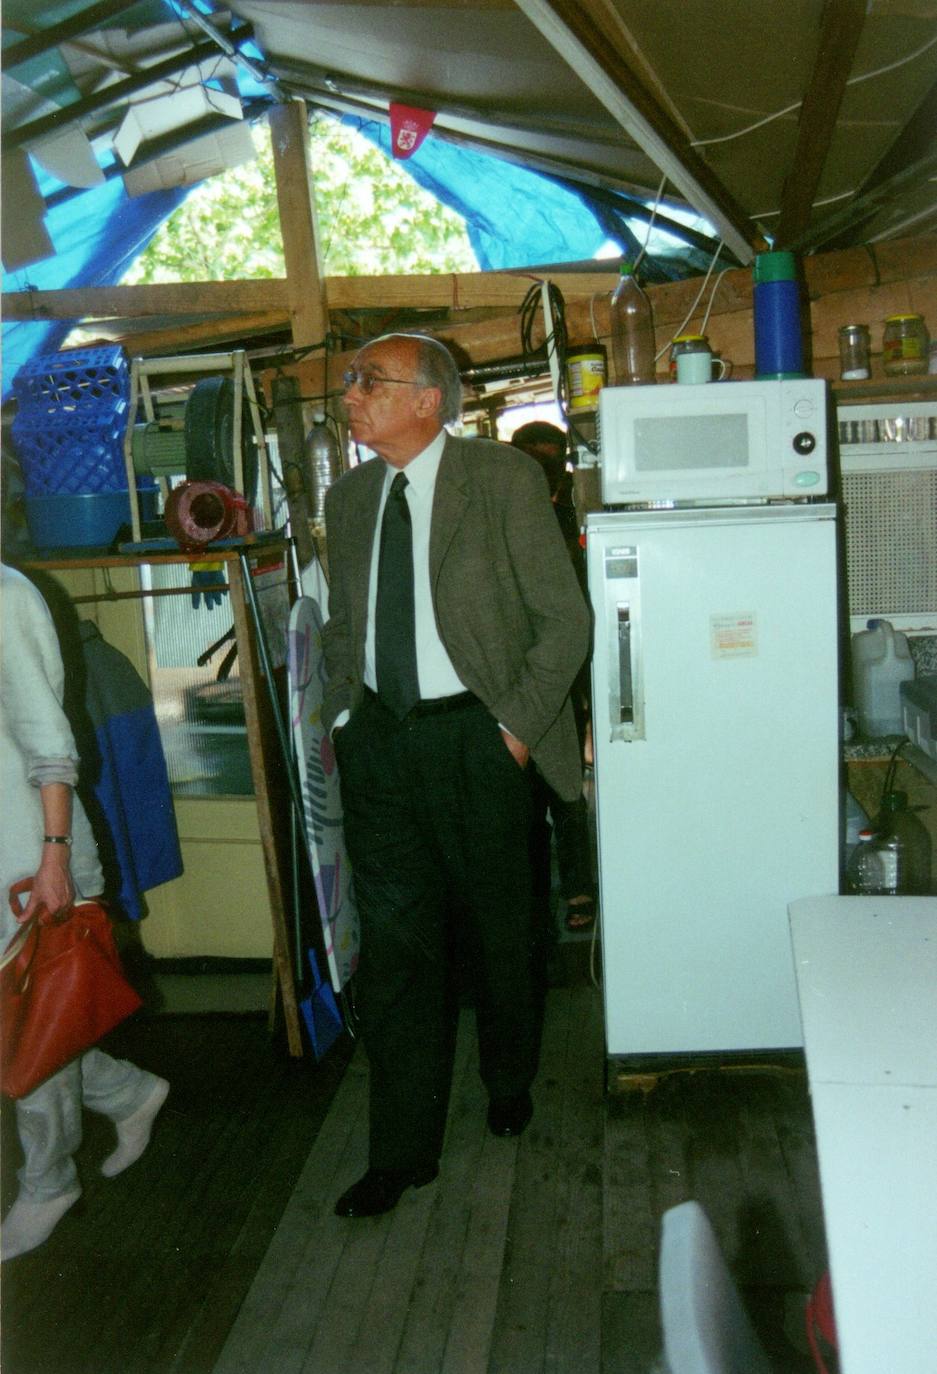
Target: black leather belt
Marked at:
433, 706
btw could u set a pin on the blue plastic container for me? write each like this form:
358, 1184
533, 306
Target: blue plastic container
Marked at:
72, 413
83, 520
779, 350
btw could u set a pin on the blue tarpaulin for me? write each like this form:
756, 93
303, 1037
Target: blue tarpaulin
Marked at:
97, 235
514, 218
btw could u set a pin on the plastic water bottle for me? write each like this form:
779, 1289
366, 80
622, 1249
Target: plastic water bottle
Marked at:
881, 661
323, 465
906, 846
632, 327
855, 820
867, 874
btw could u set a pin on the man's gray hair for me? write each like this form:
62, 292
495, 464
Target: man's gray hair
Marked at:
435, 366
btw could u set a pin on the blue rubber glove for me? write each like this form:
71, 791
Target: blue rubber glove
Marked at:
208, 581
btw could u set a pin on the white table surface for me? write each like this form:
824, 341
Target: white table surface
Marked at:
867, 980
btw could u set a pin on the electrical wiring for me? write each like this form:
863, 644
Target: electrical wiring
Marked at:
712, 297
650, 223
789, 109
557, 338
815, 205
699, 296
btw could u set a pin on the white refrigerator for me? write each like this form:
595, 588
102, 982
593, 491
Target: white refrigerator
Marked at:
716, 736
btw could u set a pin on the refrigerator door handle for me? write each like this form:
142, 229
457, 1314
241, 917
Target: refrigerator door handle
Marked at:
625, 677
626, 715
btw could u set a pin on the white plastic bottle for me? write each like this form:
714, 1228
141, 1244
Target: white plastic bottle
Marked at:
881, 661
632, 329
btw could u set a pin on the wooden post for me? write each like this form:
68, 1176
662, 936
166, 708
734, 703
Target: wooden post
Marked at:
272, 813
288, 416
289, 134
309, 317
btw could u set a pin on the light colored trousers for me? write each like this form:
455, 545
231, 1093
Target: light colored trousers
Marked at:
49, 1118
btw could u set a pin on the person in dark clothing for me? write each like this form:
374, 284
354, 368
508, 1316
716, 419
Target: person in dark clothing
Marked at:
456, 627
548, 445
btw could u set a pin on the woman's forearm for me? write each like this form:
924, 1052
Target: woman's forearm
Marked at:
52, 882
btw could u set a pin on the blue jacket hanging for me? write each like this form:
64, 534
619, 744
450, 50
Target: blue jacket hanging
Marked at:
123, 768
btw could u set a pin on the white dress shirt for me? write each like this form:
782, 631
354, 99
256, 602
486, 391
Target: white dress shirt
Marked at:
437, 677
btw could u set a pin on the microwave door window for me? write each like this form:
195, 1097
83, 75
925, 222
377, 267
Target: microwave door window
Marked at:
688, 444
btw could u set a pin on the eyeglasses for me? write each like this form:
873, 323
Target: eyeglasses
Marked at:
367, 381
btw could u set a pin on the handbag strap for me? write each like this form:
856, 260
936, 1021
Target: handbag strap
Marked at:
16, 946
19, 889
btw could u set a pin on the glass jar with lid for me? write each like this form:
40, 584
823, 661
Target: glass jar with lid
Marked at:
853, 352
904, 345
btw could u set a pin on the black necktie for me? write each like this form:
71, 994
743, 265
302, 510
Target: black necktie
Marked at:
394, 626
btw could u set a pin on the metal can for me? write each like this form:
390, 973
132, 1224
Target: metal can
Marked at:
585, 374
904, 345
853, 352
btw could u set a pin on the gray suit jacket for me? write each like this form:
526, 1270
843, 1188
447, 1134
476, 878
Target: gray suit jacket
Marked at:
508, 605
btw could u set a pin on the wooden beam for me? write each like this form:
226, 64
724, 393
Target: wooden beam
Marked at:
289, 137
858, 281
914, 142
62, 31
67, 115
841, 27
601, 60
419, 291
146, 302
188, 338
857, 284
866, 204
264, 304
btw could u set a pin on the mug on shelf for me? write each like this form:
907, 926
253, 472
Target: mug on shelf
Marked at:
695, 366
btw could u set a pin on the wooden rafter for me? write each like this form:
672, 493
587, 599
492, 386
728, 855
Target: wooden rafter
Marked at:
840, 29
915, 142
62, 31
68, 115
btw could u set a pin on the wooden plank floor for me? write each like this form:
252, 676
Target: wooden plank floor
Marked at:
219, 1251
540, 1254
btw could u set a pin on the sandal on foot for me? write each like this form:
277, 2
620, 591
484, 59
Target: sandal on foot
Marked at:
580, 915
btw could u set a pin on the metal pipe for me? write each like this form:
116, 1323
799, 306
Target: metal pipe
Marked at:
228, 48
495, 372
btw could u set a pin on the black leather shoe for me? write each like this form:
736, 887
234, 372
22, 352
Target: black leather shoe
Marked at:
509, 1115
379, 1190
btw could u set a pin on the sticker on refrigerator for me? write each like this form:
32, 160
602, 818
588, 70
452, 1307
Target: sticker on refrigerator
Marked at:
733, 636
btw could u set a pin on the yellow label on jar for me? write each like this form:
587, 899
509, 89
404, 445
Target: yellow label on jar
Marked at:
586, 374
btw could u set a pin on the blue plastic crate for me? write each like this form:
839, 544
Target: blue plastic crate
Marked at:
81, 378
83, 453
72, 411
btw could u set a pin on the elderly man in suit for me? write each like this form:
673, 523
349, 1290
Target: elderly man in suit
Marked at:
456, 627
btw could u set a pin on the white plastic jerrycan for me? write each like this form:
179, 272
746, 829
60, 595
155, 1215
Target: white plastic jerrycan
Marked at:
881, 661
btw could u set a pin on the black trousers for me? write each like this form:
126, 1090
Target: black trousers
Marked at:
437, 820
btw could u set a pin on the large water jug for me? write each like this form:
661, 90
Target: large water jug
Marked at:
881, 661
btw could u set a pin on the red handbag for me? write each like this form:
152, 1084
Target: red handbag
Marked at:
821, 1321
61, 990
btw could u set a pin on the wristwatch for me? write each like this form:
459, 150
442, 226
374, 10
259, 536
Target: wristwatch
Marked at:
56, 839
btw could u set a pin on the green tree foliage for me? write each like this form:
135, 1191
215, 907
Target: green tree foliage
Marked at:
373, 219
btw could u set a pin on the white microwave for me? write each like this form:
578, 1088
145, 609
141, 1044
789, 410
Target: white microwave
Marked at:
712, 444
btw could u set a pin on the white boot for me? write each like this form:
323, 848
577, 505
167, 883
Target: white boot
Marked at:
28, 1225
133, 1133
